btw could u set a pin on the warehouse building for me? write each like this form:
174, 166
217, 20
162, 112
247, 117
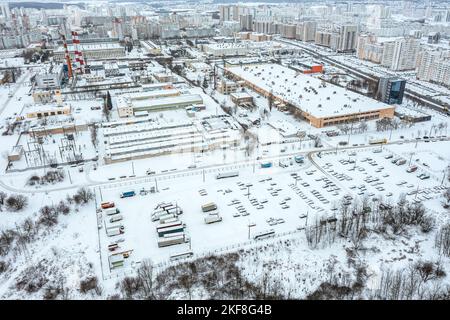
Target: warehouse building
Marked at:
139, 103
92, 51
320, 103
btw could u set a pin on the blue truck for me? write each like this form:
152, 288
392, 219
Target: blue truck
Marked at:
266, 164
299, 159
127, 194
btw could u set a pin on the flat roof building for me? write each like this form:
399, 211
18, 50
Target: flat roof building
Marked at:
320, 103
92, 51
131, 105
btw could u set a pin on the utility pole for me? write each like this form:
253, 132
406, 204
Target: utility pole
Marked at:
70, 178
410, 158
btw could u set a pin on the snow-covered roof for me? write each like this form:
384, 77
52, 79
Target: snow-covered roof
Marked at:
311, 95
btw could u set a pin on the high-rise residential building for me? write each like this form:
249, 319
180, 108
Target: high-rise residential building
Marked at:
306, 31
323, 38
347, 38
225, 13
288, 31
368, 48
405, 54
434, 37
236, 13
246, 22
388, 53
117, 31
5, 10
434, 66
262, 26
391, 90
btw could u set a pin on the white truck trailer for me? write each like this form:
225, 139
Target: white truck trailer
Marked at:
212, 218
164, 242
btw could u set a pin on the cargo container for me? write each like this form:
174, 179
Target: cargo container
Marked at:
127, 194
227, 175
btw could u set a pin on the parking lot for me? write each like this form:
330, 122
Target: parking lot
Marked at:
278, 198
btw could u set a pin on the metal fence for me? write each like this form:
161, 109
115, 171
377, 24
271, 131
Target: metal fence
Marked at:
221, 250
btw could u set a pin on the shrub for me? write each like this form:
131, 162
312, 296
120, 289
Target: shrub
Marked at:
16, 202
89, 284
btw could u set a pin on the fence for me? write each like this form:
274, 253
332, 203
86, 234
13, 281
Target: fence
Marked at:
188, 173
230, 248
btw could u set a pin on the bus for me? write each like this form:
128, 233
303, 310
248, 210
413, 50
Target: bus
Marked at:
264, 234
181, 255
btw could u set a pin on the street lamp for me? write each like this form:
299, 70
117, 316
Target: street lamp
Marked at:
250, 225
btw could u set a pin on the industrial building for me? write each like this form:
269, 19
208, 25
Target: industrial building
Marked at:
320, 103
92, 51
158, 100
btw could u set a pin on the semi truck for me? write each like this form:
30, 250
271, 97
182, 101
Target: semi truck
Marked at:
111, 211
164, 217
212, 218
227, 175
181, 255
114, 231
174, 229
299, 159
116, 218
107, 204
128, 194
209, 207
175, 210
164, 242
377, 141
264, 234
266, 164
116, 261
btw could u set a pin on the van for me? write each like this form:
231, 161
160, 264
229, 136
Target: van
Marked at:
116, 218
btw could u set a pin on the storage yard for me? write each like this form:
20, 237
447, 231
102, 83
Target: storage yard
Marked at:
280, 198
